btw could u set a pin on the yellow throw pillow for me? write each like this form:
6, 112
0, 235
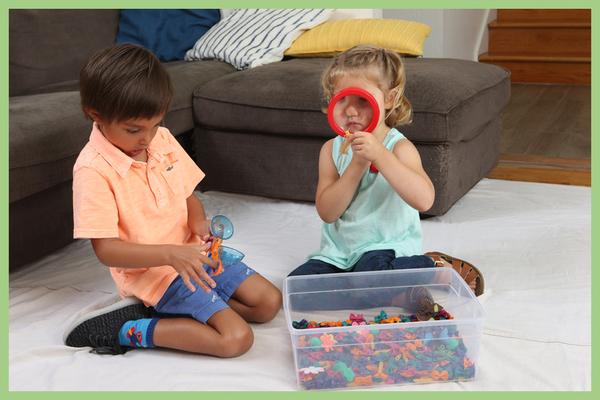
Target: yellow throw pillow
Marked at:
404, 37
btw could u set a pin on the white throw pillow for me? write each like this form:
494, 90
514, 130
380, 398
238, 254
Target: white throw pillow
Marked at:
247, 38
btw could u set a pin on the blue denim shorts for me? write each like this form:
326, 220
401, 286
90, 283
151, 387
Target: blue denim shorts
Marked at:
201, 305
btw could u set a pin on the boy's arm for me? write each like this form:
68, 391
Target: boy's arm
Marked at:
186, 259
334, 192
197, 221
117, 253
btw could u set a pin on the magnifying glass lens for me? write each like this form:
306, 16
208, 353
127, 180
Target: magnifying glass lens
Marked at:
353, 113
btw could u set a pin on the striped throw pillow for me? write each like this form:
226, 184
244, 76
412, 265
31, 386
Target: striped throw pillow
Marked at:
247, 38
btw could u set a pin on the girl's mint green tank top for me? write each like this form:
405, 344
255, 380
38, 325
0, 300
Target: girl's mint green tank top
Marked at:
376, 219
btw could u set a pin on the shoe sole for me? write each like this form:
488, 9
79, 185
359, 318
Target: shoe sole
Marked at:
106, 319
479, 281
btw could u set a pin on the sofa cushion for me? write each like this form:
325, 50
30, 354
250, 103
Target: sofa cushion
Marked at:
46, 133
185, 76
168, 33
48, 130
403, 37
452, 99
247, 38
286, 167
50, 46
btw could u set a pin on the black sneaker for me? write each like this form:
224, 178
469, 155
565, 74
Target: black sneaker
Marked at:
99, 329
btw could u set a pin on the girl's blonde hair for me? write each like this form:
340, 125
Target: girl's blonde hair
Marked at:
380, 65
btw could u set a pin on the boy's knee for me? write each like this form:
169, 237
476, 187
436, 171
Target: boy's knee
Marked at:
236, 343
269, 307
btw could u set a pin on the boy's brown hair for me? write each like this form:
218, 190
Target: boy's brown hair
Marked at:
385, 67
124, 82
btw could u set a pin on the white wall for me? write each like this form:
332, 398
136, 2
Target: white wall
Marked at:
454, 33
483, 46
345, 13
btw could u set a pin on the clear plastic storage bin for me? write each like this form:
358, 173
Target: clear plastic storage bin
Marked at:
390, 353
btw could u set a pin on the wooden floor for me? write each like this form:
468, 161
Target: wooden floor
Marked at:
547, 135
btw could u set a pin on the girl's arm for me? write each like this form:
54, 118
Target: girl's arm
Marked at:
401, 168
404, 172
334, 192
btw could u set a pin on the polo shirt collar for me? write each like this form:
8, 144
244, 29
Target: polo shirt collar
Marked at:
120, 161
158, 152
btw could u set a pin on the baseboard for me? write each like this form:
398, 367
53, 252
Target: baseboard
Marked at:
532, 168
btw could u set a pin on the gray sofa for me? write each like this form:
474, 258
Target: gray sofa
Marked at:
257, 131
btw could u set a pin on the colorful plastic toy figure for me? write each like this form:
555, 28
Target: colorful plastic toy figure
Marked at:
221, 229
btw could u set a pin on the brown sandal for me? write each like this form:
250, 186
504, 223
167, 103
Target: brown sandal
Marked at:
465, 269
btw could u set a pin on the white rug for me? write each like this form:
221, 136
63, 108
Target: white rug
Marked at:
531, 241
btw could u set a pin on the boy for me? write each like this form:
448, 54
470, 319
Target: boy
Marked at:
133, 198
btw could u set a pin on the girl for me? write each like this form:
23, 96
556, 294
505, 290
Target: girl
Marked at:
372, 218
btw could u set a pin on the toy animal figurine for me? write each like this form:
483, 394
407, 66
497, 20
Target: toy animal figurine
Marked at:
221, 229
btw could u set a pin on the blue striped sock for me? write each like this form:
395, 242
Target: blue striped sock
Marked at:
138, 333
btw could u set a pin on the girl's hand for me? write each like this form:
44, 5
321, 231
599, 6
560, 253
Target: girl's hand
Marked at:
360, 161
357, 160
188, 261
366, 145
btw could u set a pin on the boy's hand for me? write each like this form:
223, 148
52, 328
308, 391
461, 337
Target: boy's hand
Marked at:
188, 261
201, 228
366, 145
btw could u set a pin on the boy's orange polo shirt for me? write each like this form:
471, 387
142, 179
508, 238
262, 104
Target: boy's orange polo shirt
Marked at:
140, 202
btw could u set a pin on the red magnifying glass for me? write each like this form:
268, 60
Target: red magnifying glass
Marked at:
353, 109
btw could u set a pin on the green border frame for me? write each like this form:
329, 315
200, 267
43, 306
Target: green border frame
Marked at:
432, 4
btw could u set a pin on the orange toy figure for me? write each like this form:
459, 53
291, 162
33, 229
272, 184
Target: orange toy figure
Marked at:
214, 254
221, 229
327, 341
